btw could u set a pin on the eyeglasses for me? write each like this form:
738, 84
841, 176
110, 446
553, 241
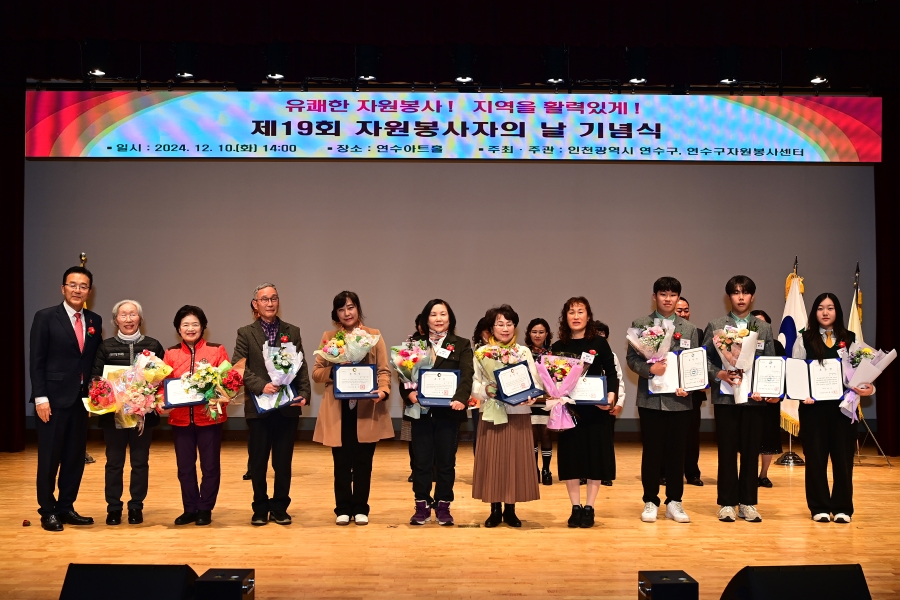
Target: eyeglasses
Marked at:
74, 286
266, 300
128, 317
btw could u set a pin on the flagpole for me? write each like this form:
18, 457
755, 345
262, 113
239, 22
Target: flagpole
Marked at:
88, 459
791, 458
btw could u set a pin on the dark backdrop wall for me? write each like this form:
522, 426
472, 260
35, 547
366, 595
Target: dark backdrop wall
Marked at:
476, 234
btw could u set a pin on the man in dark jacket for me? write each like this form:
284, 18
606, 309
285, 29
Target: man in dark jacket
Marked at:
64, 339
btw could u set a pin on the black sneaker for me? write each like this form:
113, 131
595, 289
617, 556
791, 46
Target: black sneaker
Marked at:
575, 519
281, 517
546, 477
260, 518
587, 517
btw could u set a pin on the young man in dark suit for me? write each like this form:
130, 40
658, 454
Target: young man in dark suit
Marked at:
64, 340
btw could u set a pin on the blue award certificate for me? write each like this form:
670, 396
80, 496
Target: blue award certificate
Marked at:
515, 385
354, 382
174, 395
269, 402
437, 386
590, 389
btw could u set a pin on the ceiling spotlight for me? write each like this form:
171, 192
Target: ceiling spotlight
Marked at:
185, 60
728, 64
276, 61
636, 59
556, 61
367, 58
95, 57
464, 59
817, 61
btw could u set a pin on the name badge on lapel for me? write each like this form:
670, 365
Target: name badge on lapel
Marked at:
685, 343
443, 352
587, 357
761, 345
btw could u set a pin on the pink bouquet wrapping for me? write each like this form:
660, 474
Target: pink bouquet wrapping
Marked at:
559, 374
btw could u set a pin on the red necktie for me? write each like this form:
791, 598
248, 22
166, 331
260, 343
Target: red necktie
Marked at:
79, 331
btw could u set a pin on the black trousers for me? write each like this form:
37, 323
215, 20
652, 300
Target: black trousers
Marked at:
663, 435
434, 443
738, 431
692, 445
825, 431
352, 468
138, 445
271, 435
62, 442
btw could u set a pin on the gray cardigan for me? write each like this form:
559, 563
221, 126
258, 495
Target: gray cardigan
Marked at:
638, 364
714, 362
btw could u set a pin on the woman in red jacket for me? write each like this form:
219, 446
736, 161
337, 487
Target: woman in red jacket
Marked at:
193, 429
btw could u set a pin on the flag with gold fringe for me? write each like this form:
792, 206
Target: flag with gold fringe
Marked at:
793, 324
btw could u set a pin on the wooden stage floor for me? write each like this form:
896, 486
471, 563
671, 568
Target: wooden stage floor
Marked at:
313, 558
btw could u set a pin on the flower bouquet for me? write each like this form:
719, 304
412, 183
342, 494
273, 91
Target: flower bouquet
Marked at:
737, 349
282, 364
101, 397
862, 364
559, 374
346, 347
137, 398
408, 359
152, 369
652, 342
493, 358
214, 385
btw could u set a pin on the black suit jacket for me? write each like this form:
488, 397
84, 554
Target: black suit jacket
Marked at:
249, 345
59, 370
460, 359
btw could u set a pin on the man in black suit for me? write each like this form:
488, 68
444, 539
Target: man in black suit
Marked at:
64, 340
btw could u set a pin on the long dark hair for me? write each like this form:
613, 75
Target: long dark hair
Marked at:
422, 320
812, 339
340, 300
531, 324
484, 324
565, 333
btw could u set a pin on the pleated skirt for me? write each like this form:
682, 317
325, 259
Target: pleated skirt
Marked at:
505, 470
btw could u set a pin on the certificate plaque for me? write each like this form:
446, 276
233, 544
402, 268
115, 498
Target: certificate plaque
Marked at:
826, 381
768, 376
692, 369
590, 389
113, 372
174, 395
437, 386
267, 402
515, 385
796, 379
354, 382
667, 383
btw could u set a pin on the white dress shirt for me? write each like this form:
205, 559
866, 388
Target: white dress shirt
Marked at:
71, 312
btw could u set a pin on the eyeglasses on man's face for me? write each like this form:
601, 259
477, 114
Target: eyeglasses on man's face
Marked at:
83, 287
267, 300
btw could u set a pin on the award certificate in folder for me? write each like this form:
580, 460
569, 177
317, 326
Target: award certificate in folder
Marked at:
515, 385
437, 386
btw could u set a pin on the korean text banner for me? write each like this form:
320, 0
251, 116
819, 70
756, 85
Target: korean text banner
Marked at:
348, 125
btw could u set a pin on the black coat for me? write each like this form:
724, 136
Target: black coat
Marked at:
461, 360
114, 351
59, 370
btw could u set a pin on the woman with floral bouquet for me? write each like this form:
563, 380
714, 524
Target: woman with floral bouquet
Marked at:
352, 427
504, 470
586, 451
824, 429
121, 350
538, 338
193, 428
435, 433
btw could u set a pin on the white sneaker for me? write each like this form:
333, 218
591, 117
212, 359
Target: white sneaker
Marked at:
650, 512
342, 520
822, 518
841, 518
749, 513
726, 514
361, 519
675, 512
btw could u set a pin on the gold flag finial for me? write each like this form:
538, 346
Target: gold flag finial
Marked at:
83, 258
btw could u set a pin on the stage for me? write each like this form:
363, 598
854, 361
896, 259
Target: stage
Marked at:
313, 558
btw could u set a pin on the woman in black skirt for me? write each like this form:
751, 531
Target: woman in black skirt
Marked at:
538, 338
771, 433
586, 451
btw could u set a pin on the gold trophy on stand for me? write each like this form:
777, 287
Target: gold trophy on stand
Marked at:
88, 459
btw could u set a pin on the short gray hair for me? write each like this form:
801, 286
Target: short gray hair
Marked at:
263, 286
120, 303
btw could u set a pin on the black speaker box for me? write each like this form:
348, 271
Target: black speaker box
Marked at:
135, 582
667, 585
226, 584
822, 582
